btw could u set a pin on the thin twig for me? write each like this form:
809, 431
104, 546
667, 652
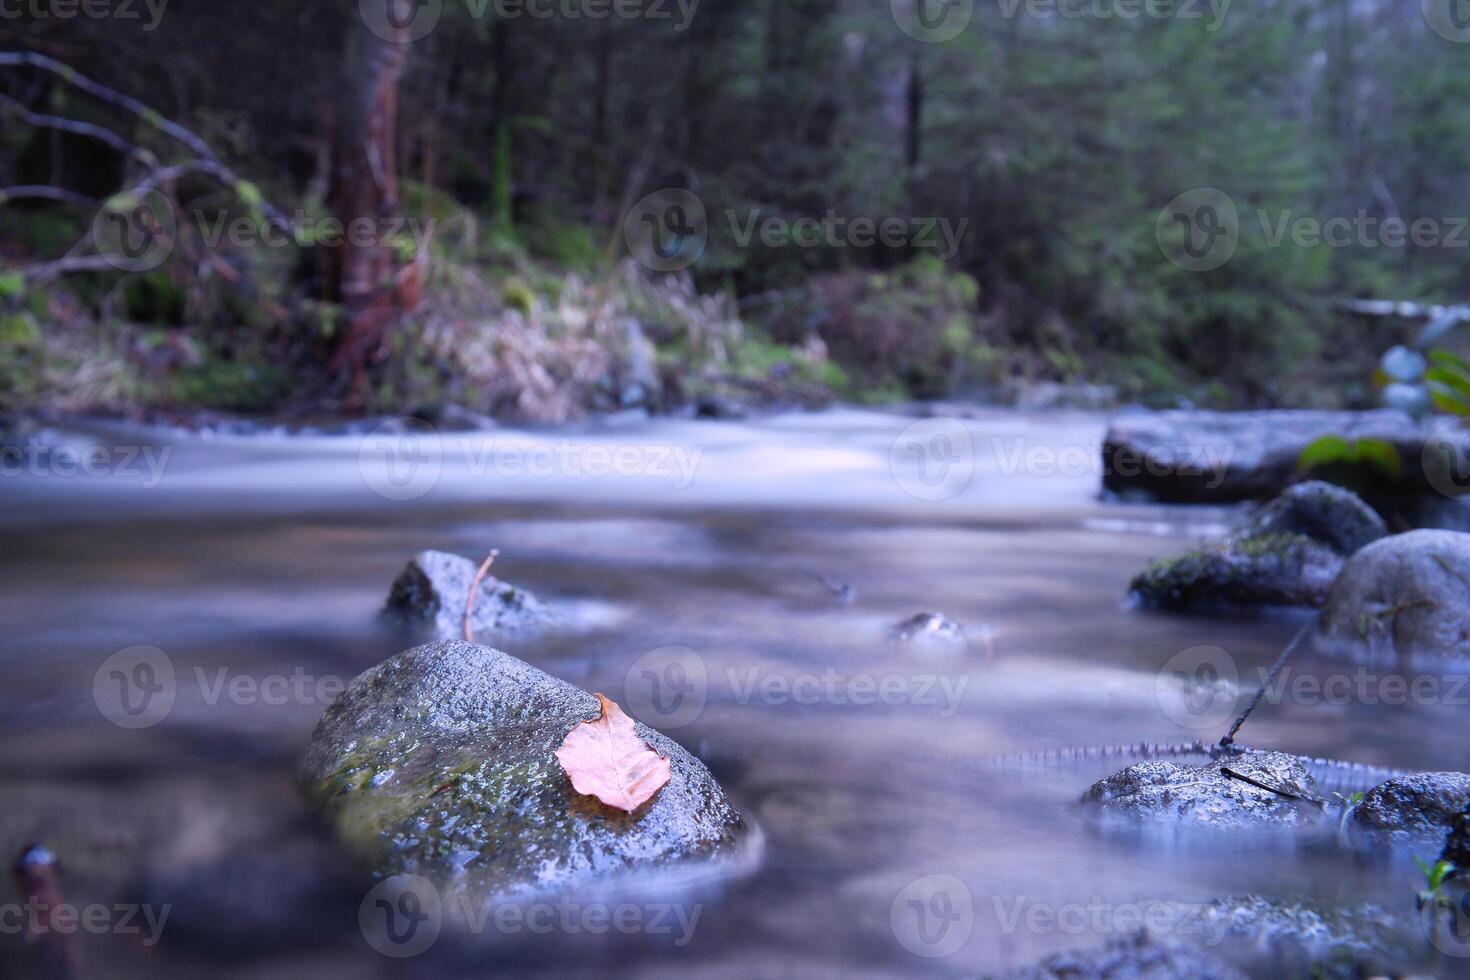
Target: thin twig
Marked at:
1232, 774
469, 605
1270, 679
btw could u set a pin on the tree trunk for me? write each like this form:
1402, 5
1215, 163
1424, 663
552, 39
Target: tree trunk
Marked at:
366, 178
364, 191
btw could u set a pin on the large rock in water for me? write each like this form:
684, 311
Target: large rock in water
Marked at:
1205, 796
1405, 598
439, 761
1422, 805
1287, 554
431, 593
1225, 457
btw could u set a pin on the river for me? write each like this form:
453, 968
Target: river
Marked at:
256, 563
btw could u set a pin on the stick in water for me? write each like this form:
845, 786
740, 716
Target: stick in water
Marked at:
1228, 742
469, 604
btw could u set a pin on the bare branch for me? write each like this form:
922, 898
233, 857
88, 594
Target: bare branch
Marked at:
8, 194
212, 163
70, 126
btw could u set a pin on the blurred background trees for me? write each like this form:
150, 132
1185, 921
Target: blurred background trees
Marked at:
1057, 139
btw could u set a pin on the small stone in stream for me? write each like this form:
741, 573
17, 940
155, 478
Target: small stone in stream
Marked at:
1421, 805
1325, 513
476, 795
932, 633
1205, 796
1139, 958
431, 594
1404, 598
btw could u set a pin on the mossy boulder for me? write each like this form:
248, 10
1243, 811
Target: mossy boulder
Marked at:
1286, 554
1269, 570
429, 596
1404, 598
1421, 805
440, 762
1206, 796
1325, 513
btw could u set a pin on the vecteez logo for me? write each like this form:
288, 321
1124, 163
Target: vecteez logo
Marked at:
932, 21
401, 916
135, 232
135, 688
1198, 688
1199, 230
933, 459
1446, 459
401, 21
1450, 19
933, 917
401, 459
667, 688
668, 230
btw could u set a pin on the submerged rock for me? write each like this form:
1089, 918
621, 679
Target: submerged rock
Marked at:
1291, 938
440, 761
932, 633
1406, 598
1206, 796
1129, 959
1287, 554
1421, 805
430, 594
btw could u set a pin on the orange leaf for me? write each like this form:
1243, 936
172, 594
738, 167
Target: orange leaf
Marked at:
607, 759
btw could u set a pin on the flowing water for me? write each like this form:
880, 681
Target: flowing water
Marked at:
257, 564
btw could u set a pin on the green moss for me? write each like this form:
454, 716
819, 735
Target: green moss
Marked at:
518, 296
1277, 569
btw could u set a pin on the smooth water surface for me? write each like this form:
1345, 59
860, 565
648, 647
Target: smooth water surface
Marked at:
258, 564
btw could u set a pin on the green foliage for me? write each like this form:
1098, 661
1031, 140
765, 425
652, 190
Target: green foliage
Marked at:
154, 297
22, 359
1370, 455
564, 245
230, 386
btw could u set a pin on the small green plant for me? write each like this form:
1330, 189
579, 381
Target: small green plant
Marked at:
1331, 452
1435, 875
1433, 897
1348, 803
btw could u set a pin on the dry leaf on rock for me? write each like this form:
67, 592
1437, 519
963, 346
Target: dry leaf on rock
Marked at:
606, 759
